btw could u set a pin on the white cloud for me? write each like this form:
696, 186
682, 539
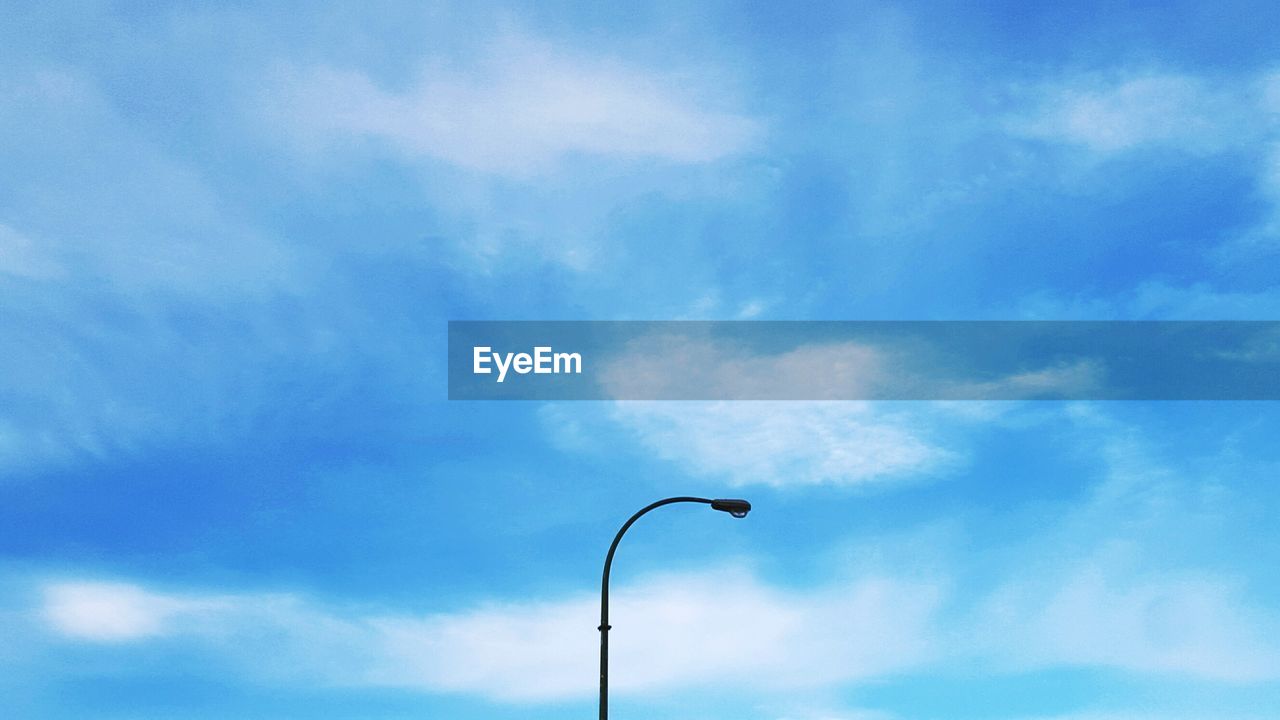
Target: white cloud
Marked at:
1157, 300
106, 206
670, 632
752, 309
1107, 117
1092, 587
115, 612
20, 256
1149, 109
1098, 614
854, 714
136, 292
1105, 584
1262, 242
519, 108
782, 442
845, 714
110, 247
1072, 379
681, 366
687, 365
1144, 714
1099, 585
689, 631
785, 443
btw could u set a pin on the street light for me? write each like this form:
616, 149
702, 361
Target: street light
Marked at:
736, 508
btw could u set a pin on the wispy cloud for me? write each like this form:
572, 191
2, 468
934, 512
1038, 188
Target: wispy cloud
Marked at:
679, 365
915, 364
21, 257
1114, 115
785, 443
119, 612
1145, 713
1157, 300
1107, 583
1098, 584
99, 203
847, 714
1105, 614
671, 632
1262, 242
105, 234
1110, 115
520, 107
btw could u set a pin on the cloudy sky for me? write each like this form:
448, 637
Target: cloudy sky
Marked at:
231, 238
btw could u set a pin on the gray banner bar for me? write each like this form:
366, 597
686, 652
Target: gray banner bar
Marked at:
864, 360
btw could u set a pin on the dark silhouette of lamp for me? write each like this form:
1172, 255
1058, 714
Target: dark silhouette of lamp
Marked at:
736, 508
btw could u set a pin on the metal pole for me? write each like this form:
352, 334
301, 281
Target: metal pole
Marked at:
604, 597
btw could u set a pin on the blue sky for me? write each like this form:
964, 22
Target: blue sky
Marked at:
231, 238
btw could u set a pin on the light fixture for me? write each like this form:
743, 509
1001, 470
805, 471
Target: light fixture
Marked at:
736, 508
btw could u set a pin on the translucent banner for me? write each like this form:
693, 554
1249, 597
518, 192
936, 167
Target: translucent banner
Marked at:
864, 360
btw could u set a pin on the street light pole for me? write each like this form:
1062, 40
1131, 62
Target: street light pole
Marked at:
736, 508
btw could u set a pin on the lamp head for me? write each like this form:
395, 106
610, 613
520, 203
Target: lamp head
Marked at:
736, 508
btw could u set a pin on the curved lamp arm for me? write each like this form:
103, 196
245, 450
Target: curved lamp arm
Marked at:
736, 508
